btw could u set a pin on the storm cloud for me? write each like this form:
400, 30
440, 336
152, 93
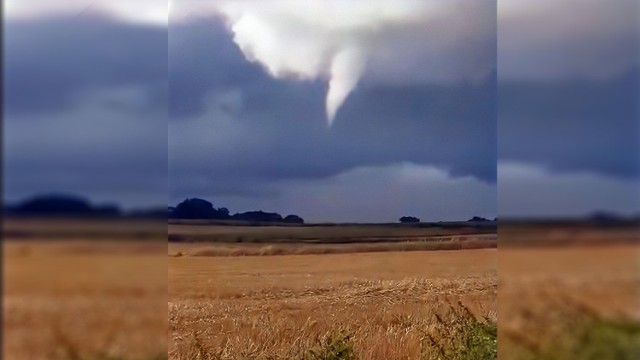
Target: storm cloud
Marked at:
568, 106
87, 100
235, 130
85, 108
340, 42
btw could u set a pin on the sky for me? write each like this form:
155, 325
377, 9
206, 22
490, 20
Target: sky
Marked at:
568, 124
85, 102
335, 110
254, 124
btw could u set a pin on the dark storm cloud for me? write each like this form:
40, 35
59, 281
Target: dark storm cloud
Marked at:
85, 109
568, 85
235, 129
568, 130
203, 58
572, 125
50, 61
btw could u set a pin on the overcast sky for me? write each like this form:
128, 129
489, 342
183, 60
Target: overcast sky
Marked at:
351, 111
85, 101
568, 125
250, 108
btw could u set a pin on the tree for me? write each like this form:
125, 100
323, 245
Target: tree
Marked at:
258, 216
477, 218
57, 204
409, 219
195, 208
293, 219
223, 213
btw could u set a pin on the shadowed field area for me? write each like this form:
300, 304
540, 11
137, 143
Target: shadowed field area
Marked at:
195, 231
202, 239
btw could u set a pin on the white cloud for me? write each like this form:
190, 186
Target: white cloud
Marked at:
155, 12
342, 42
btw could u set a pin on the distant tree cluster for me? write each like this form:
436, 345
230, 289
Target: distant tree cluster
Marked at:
413, 219
409, 219
195, 208
71, 205
61, 204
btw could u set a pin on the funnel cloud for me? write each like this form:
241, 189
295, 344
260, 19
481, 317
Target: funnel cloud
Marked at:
342, 42
346, 69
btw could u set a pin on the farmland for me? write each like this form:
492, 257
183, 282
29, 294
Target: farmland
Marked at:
364, 292
569, 292
285, 306
93, 290
239, 299
198, 239
84, 289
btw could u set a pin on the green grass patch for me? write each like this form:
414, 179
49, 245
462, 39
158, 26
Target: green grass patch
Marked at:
463, 336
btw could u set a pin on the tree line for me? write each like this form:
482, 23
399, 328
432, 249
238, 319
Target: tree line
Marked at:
72, 205
195, 208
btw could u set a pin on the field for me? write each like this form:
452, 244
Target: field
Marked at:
210, 240
564, 293
284, 306
316, 292
84, 289
569, 292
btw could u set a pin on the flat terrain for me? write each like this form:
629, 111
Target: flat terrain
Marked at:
550, 297
74, 290
320, 233
93, 290
282, 306
215, 240
557, 287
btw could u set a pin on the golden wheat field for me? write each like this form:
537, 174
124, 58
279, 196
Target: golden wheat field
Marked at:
100, 291
570, 302
555, 301
71, 294
282, 307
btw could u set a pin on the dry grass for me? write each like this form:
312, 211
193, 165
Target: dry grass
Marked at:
90, 229
572, 301
216, 240
317, 234
84, 299
558, 235
256, 249
282, 307
577, 301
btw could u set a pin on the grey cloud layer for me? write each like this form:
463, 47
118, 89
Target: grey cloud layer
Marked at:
568, 85
572, 125
235, 125
85, 109
51, 61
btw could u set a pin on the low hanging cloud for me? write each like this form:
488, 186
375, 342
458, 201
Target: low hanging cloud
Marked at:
347, 197
527, 190
342, 42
